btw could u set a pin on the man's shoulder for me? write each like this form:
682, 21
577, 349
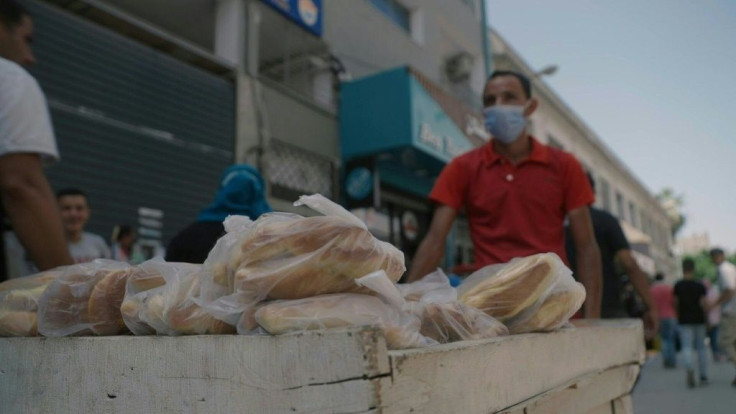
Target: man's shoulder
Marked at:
13, 75
93, 238
473, 156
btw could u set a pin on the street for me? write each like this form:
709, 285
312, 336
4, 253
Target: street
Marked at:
664, 391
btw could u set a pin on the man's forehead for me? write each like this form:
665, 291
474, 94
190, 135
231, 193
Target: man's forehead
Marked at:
504, 83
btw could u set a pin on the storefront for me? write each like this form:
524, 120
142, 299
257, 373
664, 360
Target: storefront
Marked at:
397, 132
145, 134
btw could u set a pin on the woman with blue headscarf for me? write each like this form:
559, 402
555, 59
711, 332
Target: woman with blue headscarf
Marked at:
241, 192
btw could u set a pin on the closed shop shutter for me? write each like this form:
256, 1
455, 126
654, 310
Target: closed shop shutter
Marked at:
142, 133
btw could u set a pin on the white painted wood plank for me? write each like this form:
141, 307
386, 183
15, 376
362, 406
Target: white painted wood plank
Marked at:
327, 371
602, 409
623, 405
585, 393
488, 376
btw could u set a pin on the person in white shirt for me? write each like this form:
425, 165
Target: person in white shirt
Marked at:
727, 302
83, 246
27, 143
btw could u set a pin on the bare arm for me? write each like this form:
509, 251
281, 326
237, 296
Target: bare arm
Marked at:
32, 209
588, 260
432, 248
641, 286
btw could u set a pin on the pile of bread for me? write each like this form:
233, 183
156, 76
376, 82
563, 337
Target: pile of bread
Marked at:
285, 273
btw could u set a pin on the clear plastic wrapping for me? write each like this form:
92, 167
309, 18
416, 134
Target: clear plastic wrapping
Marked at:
339, 310
160, 300
287, 256
19, 303
84, 300
534, 293
444, 318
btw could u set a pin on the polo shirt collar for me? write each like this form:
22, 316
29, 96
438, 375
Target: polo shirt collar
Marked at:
540, 153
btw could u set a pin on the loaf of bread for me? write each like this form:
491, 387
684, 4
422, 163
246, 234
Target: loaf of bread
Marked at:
19, 303
341, 310
557, 308
18, 323
299, 257
105, 299
73, 304
505, 292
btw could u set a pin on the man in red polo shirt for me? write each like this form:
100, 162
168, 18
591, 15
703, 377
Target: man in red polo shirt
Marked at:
516, 193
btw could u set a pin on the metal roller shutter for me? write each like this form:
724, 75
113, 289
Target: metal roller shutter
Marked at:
136, 128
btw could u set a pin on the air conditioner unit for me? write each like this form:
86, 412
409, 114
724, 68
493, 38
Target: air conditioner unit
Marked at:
459, 67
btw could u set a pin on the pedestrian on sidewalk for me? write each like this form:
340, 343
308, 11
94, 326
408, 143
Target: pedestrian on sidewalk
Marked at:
662, 295
689, 299
727, 302
713, 321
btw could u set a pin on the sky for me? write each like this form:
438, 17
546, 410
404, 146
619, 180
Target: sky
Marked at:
656, 81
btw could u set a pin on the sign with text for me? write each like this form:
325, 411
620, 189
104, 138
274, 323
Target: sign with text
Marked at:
305, 13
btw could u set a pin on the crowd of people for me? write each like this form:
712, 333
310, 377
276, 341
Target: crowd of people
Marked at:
693, 311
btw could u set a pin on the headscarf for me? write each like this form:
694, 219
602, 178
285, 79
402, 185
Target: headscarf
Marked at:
242, 192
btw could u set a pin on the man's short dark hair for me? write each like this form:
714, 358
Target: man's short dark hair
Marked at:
659, 276
525, 84
11, 13
71, 191
688, 265
717, 251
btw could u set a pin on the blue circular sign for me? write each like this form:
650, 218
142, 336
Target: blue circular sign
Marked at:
359, 183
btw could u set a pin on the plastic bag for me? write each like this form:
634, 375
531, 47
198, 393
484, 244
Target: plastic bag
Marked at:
85, 299
444, 318
510, 292
566, 297
143, 305
287, 256
341, 310
432, 288
159, 299
19, 303
455, 321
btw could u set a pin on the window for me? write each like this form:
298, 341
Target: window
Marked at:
395, 12
632, 215
620, 212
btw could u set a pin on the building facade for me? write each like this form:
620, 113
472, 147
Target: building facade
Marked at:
294, 75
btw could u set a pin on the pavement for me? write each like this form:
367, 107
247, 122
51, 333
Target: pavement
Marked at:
664, 391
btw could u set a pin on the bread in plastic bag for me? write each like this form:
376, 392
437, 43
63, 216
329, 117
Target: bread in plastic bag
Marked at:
512, 290
143, 305
566, 297
19, 303
74, 304
159, 300
443, 317
340, 310
287, 256
183, 314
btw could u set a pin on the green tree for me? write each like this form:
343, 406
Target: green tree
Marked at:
672, 204
705, 269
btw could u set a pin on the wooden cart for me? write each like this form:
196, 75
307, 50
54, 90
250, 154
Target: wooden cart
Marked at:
587, 369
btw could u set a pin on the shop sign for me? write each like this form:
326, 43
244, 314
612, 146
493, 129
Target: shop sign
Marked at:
444, 144
305, 13
361, 183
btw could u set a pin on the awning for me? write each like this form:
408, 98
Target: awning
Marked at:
399, 122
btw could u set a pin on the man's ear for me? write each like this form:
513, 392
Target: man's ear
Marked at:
531, 106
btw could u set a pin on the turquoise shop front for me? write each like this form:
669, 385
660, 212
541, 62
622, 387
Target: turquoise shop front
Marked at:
396, 136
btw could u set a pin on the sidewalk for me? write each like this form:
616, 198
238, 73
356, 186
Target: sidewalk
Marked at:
664, 391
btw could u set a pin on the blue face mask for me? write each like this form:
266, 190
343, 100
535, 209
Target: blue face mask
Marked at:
505, 122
